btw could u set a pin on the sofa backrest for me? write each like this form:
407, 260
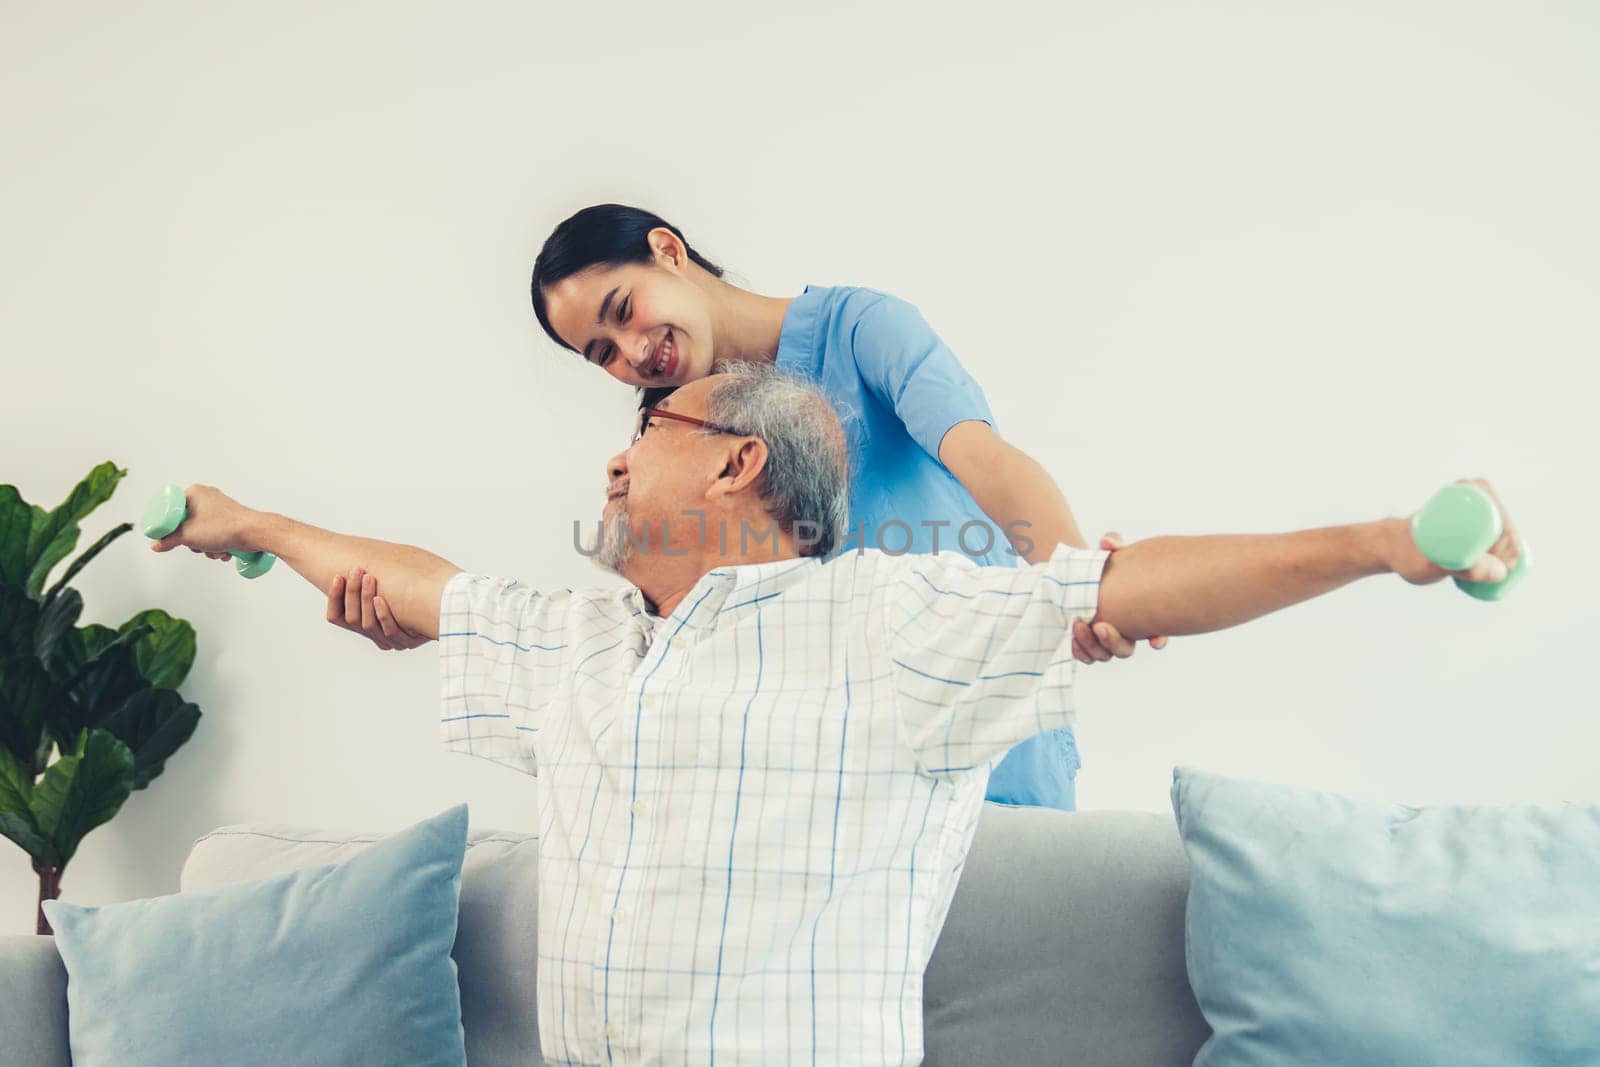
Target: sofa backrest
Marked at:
1064, 944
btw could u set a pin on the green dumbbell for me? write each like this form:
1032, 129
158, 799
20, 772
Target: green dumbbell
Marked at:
167, 509
1455, 528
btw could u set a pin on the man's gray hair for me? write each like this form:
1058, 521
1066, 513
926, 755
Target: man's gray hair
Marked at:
806, 484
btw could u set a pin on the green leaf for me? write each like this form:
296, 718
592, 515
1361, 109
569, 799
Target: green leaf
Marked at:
22, 831
96, 639
41, 755
82, 790
83, 646
57, 620
16, 521
16, 786
16, 817
53, 534
19, 621
164, 655
28, 697
62, 540
99, 686
88, 554
154, 723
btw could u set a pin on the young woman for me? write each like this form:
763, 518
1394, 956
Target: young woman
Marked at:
624, 289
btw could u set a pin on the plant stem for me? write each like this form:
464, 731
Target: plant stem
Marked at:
49, 889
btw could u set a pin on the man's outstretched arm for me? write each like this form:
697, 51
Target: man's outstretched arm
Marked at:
413, 579
1192, 585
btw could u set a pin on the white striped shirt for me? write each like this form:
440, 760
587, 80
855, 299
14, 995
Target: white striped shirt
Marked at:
753, 812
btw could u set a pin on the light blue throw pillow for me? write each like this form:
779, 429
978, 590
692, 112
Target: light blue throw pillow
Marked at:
344, 964
1323, 930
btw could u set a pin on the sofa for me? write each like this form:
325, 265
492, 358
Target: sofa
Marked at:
1064, 944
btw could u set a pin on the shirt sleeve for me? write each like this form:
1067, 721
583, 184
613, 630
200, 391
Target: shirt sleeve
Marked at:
910, 369
485, 673
982, 656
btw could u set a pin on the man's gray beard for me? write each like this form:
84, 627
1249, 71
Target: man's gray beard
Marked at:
616, 546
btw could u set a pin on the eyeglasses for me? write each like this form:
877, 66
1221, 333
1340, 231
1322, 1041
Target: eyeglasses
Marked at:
646, 414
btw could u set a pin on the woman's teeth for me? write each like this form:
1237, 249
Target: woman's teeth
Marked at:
666, 360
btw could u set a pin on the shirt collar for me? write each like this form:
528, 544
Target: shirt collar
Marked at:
729, 587
771, 577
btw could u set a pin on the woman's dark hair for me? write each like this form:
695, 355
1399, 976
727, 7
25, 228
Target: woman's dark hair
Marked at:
605, 235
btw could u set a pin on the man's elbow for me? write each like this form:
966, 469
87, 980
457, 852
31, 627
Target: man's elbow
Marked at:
1120, 604
424, 599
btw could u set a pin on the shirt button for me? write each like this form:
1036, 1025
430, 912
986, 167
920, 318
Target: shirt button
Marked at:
611, 1030
618, 915
639, 807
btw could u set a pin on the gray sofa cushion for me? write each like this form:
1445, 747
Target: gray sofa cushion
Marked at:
33, 1003
1064, 943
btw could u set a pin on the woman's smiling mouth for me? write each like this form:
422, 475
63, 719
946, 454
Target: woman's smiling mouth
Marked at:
664, 360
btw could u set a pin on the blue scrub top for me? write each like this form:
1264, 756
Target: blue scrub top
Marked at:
898, 389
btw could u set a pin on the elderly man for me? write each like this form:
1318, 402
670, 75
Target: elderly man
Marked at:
762, 766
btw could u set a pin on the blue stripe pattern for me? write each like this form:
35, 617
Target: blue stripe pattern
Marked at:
753, 811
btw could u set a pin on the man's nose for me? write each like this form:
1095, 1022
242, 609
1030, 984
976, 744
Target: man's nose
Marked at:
617, 466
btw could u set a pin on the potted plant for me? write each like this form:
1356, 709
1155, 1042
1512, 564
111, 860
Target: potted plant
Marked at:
87, 713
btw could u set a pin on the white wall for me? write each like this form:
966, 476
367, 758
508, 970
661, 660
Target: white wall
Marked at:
1220, 267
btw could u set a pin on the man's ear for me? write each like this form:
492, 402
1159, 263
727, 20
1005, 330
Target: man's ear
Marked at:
669, 251
741, 468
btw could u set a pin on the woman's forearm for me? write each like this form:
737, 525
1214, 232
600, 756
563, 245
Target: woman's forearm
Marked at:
1029, 507
1013, 489
1191, 585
